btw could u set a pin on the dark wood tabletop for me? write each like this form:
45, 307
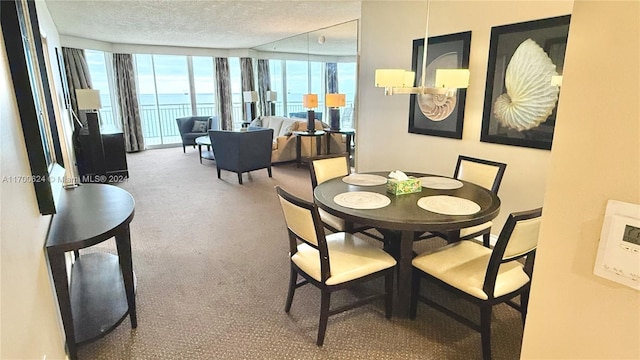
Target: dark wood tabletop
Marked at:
403, 217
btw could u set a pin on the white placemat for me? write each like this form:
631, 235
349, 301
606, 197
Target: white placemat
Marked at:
362, 200
448, 205
440, 183
365, 179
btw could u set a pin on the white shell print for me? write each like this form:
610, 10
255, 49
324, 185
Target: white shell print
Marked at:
530, 97
436, 107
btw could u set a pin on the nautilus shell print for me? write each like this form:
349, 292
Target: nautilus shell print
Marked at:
530, 96
438, 107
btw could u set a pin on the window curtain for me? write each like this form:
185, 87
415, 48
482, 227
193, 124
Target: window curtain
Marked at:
264, 85
127, 99
78, 77
225, 107
332, 78
246, 74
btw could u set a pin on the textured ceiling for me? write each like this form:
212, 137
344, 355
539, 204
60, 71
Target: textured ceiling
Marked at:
218, 24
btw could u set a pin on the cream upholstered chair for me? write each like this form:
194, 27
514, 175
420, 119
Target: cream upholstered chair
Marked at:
327, 167
485, 173
331, 263
483, 276
323, 168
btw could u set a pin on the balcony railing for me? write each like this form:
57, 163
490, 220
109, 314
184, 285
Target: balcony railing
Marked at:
159, 124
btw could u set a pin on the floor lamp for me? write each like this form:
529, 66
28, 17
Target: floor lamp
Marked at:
89, 101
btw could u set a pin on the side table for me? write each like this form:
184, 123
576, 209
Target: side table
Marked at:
318, 134
101, 292
349, 137
206, 141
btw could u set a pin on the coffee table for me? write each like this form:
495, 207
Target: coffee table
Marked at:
206, 141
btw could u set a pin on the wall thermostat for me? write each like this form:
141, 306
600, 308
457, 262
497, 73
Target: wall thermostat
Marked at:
618, 256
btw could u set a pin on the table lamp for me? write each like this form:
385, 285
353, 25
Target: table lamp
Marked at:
334, 102
249, 98
272, 97
310, 101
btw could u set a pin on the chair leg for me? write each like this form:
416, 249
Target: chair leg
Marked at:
524, 304
388, 291
293, 277
218, 169
324, 316
240, 178
485, 239
184, 149
415, 292
485, 333
269, 171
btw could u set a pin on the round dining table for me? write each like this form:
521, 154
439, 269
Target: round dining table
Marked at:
402, 218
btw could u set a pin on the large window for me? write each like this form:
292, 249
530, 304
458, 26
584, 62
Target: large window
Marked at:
204, 85
347, 85
99, 68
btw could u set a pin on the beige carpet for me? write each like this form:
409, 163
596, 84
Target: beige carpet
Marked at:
210, 258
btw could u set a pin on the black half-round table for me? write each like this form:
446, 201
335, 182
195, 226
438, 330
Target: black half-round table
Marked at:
101, 291
403, 217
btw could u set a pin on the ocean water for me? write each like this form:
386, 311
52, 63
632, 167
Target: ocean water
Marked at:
201, 98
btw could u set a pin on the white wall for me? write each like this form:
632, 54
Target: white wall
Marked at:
29, 316
383, 142
574, 314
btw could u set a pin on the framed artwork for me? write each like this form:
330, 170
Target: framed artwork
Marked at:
521, 96
439, 115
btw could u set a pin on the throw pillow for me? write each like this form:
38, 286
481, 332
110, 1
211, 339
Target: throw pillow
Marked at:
257, 122
199, 126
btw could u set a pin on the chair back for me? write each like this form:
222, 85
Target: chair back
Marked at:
323, 168
518, 238
485, 173
304, 224
242, 151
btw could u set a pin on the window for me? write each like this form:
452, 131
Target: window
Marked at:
204, 85
347, 86
97, 63
297, 84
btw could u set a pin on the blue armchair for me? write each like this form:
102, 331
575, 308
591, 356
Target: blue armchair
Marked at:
186, 128
242, 151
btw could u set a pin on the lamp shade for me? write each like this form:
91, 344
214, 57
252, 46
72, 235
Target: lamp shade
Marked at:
394, 78
452, 78
272, 95
250, 96
310, 101
88, 99
334, 100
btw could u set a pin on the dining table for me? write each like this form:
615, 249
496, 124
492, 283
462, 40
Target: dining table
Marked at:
401, 217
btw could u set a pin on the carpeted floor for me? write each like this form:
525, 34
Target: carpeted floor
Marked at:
211, 262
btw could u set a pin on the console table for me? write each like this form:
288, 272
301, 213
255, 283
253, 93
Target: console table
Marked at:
318, 134
101, 292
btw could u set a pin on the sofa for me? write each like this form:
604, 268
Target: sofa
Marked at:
190, 130
242, 151
284, 142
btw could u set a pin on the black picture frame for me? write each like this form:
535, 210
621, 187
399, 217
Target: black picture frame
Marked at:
448, 51
41, 136
551, 35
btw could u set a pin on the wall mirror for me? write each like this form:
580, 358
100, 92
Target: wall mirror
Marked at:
25, 55
319, 62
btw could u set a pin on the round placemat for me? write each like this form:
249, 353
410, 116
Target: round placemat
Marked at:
440, 183
365, 179
364, 200
448, 205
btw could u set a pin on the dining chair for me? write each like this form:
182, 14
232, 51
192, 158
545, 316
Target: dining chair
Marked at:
483, 276
327, 167
485, 173
330, 262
